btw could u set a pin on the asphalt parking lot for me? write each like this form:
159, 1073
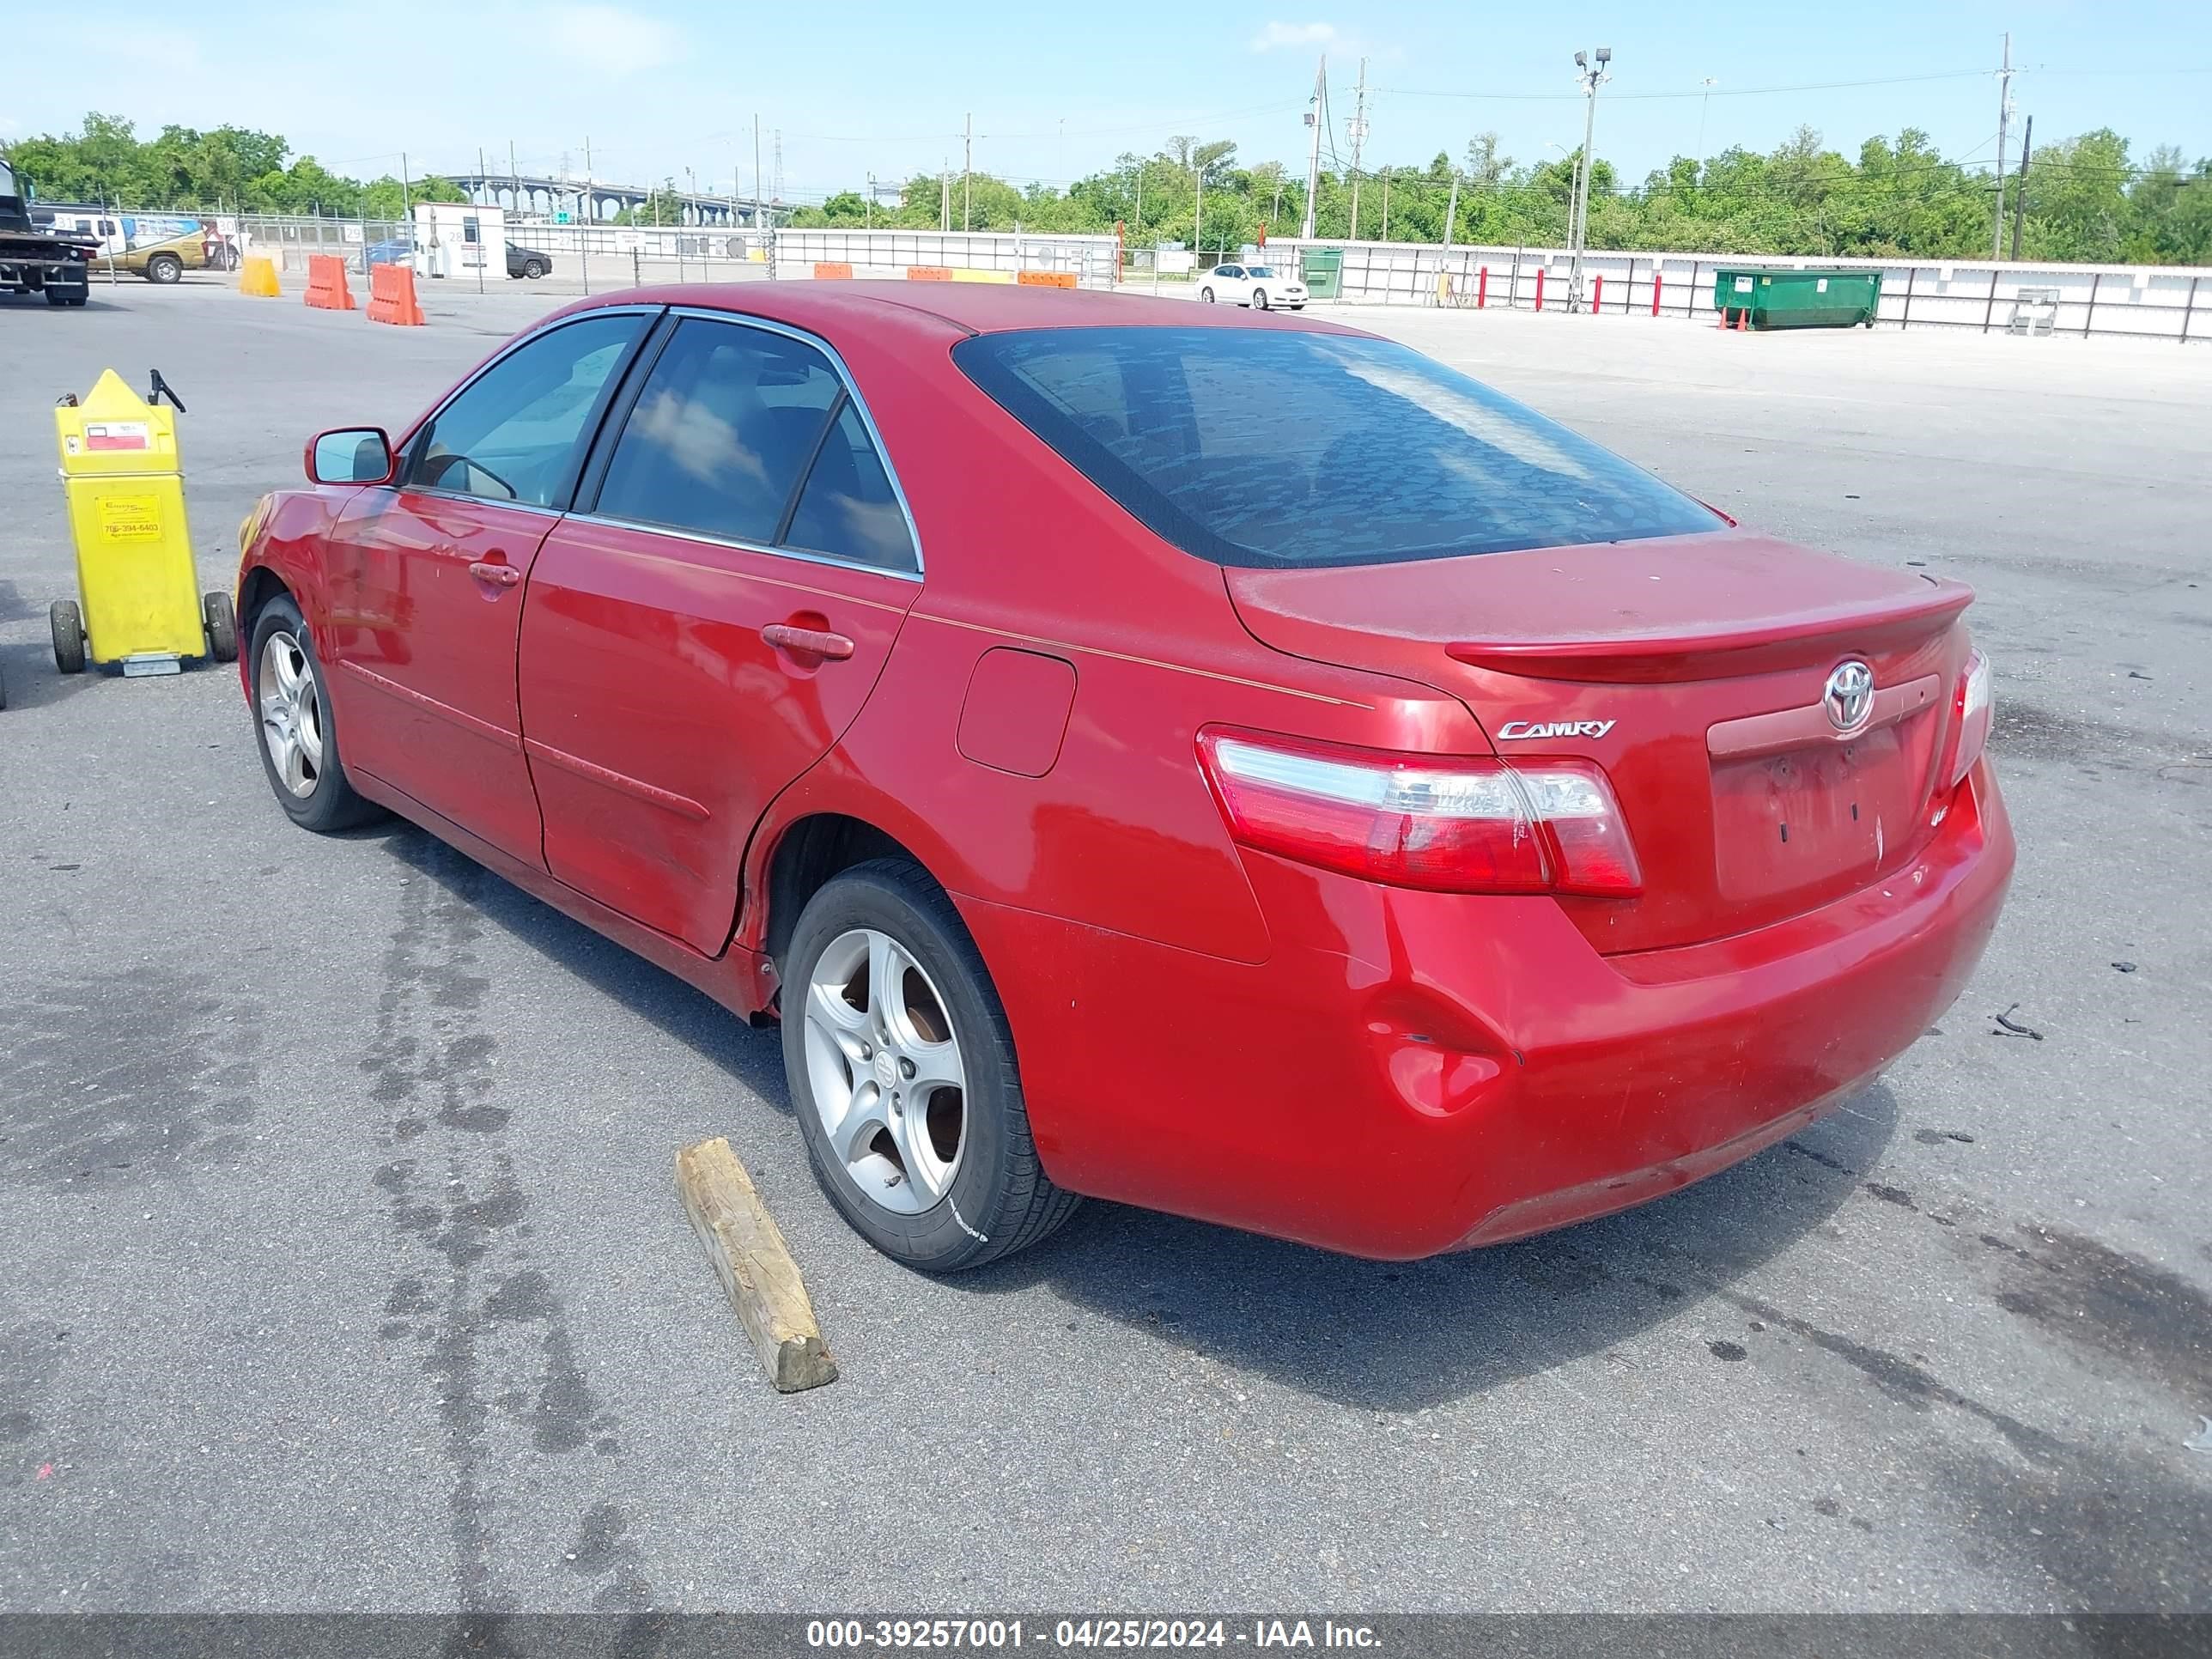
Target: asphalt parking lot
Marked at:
346, 1270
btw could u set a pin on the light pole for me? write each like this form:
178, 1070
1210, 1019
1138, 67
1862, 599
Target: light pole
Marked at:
1592, 76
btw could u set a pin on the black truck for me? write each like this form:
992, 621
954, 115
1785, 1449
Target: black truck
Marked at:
39, 260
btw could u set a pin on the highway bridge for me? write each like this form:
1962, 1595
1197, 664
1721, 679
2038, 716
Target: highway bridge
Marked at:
521, 193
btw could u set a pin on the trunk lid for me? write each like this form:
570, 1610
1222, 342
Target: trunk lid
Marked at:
1694, 669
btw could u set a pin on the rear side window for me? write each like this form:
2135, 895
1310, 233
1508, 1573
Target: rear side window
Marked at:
723, 429
1281, 448
849, 509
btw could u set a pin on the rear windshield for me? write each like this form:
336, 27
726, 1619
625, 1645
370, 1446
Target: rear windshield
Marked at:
1286, 449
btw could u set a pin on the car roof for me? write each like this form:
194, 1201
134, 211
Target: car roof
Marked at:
828, 307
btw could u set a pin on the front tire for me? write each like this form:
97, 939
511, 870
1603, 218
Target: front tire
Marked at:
1259, 299
164, 270
299, 743
900, 1065
533, 268
66, 624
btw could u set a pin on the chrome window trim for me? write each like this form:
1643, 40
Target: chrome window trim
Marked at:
801, 555
743, 319
525, 338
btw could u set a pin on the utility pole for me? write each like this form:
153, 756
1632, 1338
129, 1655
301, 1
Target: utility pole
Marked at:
967, 167
591, 212
945, 194
1358, 131
1705, 106
1386, 203
1313, 160
2020, 184
407, 191
515, 174
868, 213
484, 248
1593, 75
757, 179
1451, 210
2004, 124
1198, 208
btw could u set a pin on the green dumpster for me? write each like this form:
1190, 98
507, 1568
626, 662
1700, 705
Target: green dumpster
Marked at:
1768, 298
1322, 269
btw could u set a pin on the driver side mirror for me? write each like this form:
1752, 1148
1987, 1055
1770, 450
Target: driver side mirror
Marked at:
351, 455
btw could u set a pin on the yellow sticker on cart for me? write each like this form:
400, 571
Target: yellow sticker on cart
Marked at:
130, 517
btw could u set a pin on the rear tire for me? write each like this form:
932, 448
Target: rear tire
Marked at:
1207, 294
221, 626
66, 623
983, 1193
283, 660
165, 269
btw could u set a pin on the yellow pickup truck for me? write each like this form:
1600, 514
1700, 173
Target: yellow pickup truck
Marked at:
203, 249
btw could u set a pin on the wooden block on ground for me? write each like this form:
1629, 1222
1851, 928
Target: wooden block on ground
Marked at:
750, 1256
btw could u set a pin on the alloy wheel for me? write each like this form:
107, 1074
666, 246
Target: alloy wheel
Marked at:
884, 1068
291, 707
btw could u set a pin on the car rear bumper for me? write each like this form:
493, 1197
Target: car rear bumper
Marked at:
1411, 1074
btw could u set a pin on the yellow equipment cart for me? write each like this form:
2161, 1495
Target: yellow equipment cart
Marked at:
142, 610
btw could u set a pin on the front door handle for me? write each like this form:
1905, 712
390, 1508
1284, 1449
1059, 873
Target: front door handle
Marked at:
501, 575
808, 641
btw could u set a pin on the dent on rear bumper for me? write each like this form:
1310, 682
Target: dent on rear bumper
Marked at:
1427, 1071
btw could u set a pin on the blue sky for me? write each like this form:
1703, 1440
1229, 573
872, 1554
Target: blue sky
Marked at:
1056, 91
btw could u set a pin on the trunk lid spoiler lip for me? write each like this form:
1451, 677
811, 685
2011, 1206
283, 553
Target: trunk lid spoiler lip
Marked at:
1724, 650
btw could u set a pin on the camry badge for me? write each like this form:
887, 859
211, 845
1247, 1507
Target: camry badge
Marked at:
1848, 698
1513, 730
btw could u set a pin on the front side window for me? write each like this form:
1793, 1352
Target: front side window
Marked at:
511, 435
1283, 448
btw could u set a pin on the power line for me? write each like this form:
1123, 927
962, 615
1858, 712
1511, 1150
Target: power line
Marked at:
1694, 92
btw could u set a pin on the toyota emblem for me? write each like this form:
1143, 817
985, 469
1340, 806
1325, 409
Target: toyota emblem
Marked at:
1850, 696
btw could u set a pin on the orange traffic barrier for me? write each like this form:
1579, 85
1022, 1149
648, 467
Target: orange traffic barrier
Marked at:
1046, 278
929, 273
831, 269
328, 287
391, 296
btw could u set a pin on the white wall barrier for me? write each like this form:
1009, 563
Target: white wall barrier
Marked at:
2163, 302
892, 252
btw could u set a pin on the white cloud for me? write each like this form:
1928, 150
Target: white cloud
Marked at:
1309, 36
612, 39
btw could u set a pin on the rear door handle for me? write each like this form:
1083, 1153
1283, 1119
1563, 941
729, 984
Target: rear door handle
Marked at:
810, 641
503, 576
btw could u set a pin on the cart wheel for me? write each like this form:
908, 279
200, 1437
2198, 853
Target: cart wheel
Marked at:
68, 624
221, 626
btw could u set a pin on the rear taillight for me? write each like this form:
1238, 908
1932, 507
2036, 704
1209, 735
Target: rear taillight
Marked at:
1970, 716
1456, 825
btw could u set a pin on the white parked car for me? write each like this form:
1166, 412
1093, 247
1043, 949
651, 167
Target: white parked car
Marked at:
1260, 286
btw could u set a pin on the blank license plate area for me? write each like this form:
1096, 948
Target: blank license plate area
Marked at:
1820, 817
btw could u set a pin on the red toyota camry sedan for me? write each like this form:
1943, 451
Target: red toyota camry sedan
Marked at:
1228, 763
